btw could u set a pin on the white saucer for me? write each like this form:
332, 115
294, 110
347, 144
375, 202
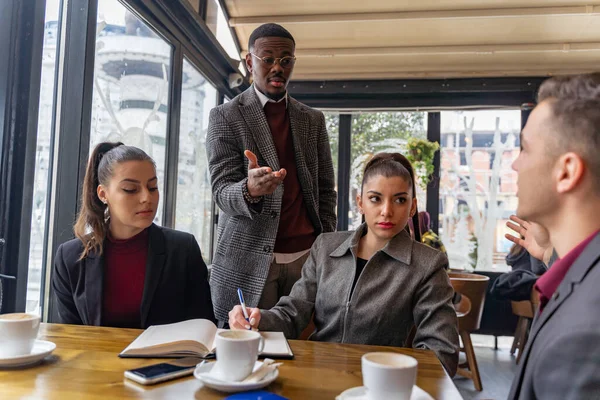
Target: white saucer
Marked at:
360, 393
232, 387
41, 349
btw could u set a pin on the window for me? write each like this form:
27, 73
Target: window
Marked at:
194, 195
195, 4
215, 19
332, 122
374, 132
131, 85
212, 15
42, 157
478, 186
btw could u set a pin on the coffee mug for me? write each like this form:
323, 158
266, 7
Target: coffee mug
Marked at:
237, 352
388, 375
17, 334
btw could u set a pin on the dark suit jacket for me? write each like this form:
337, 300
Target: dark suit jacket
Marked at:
175, 289
562, 357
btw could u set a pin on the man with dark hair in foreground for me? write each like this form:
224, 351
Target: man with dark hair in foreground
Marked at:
559, 189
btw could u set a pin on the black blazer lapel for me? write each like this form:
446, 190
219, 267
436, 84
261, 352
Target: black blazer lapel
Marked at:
154, 267
255, 118
94, 287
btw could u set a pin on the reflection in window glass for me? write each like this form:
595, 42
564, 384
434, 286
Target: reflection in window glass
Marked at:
42, 158
215, 19
212, 15
194, 196
195, 4
374, 132
478, 186
131, 85
332, 121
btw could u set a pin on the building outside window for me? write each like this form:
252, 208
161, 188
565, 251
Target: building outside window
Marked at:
131, 85
194, 195
478, 186
42, 157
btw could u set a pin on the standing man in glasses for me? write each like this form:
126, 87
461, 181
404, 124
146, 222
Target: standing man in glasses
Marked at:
272, 178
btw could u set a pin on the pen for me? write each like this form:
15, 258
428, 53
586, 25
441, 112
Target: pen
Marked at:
243, 303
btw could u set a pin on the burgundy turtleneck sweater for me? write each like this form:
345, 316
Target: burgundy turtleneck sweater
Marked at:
296, 232
124, 275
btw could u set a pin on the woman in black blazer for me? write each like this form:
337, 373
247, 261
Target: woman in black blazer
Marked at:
123, 270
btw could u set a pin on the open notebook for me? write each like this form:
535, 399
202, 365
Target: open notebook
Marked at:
195, 338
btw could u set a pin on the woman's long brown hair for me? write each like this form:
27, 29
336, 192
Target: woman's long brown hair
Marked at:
391, 165
91, 227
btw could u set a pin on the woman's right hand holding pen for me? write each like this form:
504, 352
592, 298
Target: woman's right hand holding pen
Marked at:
237, 320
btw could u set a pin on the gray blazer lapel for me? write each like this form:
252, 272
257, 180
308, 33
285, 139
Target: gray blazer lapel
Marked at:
350, 244
154, 267
575, 275
94, 286
255, 118
400, 247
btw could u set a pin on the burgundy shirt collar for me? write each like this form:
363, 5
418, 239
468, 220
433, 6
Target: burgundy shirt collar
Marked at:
547, 284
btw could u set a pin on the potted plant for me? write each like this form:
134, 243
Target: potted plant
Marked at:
420, 153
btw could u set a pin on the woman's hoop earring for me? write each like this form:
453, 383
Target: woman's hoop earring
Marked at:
106, 214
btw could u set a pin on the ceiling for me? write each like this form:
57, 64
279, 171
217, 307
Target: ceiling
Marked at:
395, 39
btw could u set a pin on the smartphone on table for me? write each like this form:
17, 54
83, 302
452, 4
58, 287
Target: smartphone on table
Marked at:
164, 371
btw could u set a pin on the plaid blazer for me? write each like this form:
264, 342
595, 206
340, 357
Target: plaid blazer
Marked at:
246, 234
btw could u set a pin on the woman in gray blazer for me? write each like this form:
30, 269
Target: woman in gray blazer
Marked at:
371, 286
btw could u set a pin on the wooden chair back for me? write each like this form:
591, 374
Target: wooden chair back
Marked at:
523, 308
472, 286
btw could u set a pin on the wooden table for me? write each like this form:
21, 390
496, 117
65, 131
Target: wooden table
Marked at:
85, 365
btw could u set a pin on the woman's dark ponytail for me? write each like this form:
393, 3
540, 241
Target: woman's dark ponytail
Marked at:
91, 227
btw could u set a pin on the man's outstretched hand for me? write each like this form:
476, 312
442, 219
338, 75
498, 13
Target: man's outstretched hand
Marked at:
262, 180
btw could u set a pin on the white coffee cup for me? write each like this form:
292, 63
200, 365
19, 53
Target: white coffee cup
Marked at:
237, 352
388, 375
18, 332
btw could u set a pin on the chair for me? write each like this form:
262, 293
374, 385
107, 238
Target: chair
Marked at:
473, 288
497, 318
7, 278
525, 310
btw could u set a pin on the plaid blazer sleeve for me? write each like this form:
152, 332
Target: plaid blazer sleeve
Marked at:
327, 193
226, 166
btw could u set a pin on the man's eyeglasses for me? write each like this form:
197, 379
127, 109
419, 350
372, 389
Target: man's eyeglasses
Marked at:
285, 62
